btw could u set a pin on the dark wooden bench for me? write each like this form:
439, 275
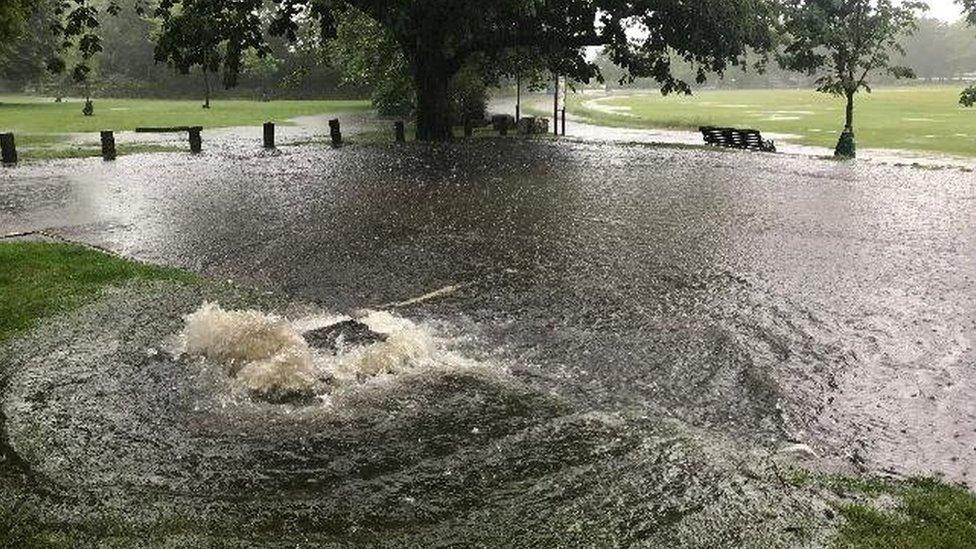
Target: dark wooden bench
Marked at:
736, 139
169, 129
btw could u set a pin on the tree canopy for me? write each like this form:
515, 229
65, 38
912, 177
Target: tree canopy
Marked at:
969, 9
13, 13
209, 34
438, 37
968, 98
844, 42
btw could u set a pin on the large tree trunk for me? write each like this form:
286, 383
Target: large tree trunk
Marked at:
432, 76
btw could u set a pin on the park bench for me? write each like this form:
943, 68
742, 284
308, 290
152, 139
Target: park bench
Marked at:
736, 139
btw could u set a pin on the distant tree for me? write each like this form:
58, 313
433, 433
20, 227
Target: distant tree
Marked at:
263, 69
933, 51
128, 42
439, 37
968, 98
13, 15
208, 34
843, 43
24, 60
74, 22
367, 55
969, 10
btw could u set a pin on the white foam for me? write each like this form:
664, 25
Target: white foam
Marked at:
264, 352
268, 356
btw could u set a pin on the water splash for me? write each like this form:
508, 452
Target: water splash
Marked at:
268, 356
262, 351
407, 347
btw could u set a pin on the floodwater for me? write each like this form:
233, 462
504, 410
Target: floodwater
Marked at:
627, 327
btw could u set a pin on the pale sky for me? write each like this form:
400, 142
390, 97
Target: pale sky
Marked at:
947, 10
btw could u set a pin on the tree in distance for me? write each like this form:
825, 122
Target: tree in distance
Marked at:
845, 42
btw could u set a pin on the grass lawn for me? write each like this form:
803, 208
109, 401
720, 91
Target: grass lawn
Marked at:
911, 514
929, 515
912, 118
38, 280
40, 124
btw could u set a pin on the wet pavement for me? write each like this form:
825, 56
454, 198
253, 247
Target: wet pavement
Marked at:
768, 299
232, 140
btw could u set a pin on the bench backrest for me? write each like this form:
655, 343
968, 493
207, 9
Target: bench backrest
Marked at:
734, 137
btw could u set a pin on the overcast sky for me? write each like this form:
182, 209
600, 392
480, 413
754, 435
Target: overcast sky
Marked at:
944, 9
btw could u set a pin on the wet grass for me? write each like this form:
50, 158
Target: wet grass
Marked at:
42, 126
927, 119
39, 280
918, 513
926, 514
80, 151
35, 115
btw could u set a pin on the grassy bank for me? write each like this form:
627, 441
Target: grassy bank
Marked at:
921, 513
39, 280
35, 115
42, 126
927, 119
926, 514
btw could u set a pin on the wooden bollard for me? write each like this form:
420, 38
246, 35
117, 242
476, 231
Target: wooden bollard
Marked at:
196, 140
401, 132
108, 145
336, 132
8, 148
468, 127
269, 135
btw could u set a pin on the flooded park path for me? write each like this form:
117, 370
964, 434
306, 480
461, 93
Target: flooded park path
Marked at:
580, 127
765, 299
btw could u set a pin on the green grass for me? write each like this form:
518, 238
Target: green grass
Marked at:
33, 115
877, 513
41, 125
53, 152
927, 514
39, 280
926, 119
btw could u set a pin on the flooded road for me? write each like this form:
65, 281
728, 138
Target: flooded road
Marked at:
765, 299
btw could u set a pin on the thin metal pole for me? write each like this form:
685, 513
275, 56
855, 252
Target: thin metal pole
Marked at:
555, 108
518, 79
518, 97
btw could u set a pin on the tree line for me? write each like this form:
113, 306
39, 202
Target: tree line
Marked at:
435, 57
938, 52
126, 64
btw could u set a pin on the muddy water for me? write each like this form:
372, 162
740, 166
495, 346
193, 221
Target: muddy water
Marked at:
625, 305
113, 437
